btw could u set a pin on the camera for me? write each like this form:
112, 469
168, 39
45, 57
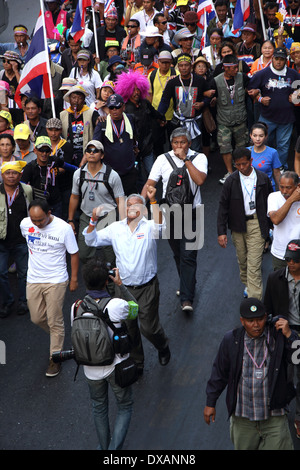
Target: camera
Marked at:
61, 356
111, 272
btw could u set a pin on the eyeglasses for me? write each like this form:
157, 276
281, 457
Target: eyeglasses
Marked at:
93, 150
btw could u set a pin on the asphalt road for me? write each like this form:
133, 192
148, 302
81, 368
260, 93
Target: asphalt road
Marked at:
38, 413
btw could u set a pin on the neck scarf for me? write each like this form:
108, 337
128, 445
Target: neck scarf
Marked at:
109, 129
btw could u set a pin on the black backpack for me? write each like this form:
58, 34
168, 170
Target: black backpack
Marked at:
90, 338
178, 189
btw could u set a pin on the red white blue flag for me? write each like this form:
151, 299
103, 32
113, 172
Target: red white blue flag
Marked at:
78, 26
241, 14
34, 79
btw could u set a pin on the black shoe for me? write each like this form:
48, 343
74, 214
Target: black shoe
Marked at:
6, 310
22, 308
164, 356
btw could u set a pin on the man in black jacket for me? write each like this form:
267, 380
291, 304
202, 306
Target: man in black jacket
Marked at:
243, 210
252, 363
282, 297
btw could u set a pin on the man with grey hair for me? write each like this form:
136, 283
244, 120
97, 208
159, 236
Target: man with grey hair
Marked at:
134, 242
94, 184
284, 212
196, 167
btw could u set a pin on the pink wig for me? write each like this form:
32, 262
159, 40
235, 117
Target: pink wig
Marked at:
127, 81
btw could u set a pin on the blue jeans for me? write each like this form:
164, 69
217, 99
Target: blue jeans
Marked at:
99, 396
279, 138
19, 253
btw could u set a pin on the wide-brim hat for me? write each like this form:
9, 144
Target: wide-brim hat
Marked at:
151, 32
115, 59
75, 89
67, 83
203, 60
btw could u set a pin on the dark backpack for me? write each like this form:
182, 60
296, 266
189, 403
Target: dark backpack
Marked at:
178, 189
90, 338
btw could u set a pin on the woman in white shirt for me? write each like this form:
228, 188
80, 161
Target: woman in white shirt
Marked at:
86, 76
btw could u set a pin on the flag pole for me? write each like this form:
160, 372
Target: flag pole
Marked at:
95, 35
262, 20
47, 62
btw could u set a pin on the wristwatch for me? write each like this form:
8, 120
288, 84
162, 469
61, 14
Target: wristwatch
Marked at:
186, 159
69, 220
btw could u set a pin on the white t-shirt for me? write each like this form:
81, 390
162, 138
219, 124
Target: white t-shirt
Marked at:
89, 83
47, 249
118, 310
288, 229
144, 19
162, 169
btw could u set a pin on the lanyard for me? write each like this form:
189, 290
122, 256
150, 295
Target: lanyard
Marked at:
186, 93
294, 20
10, 199
232, 91
118, 134
253, 189
252, 358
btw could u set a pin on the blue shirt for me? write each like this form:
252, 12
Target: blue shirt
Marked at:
266, 161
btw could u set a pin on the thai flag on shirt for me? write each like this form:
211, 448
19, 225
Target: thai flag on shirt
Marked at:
241, 13
206, 12
78, 26
34, 77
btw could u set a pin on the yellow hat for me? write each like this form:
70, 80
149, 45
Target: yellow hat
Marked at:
6, 115
16, 165
21, 131
295, 47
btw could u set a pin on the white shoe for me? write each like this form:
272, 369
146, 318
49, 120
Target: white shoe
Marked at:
222, 180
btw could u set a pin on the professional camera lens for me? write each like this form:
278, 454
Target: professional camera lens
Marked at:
61, 356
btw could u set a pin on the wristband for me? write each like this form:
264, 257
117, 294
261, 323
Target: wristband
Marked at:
154, 202
93, 222
259, 99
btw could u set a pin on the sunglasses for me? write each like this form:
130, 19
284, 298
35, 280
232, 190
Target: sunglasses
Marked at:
190, 24
114, 107
44, 150
131, 26
163, 22
93, 150
5, 61
288, 259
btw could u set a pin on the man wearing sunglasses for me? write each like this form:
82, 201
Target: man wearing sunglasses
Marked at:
282, 297
41, 174
161, 23
284, 212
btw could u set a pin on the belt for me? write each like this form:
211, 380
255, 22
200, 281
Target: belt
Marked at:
143, 285
251, 217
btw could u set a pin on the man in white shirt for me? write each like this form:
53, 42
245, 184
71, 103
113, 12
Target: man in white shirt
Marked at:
145, 16
134, 243
185, 259
49, 238
284, 212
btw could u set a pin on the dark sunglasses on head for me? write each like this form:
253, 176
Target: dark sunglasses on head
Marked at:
92, 150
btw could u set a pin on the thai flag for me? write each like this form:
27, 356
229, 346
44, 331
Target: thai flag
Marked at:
241, 13
108, 5
34, 77
206, 12
282, 4
78, 26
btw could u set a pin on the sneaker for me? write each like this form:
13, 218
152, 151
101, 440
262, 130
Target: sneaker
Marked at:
22, 308
222, 180
245, 293
187, 306
53, 369
164, 356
